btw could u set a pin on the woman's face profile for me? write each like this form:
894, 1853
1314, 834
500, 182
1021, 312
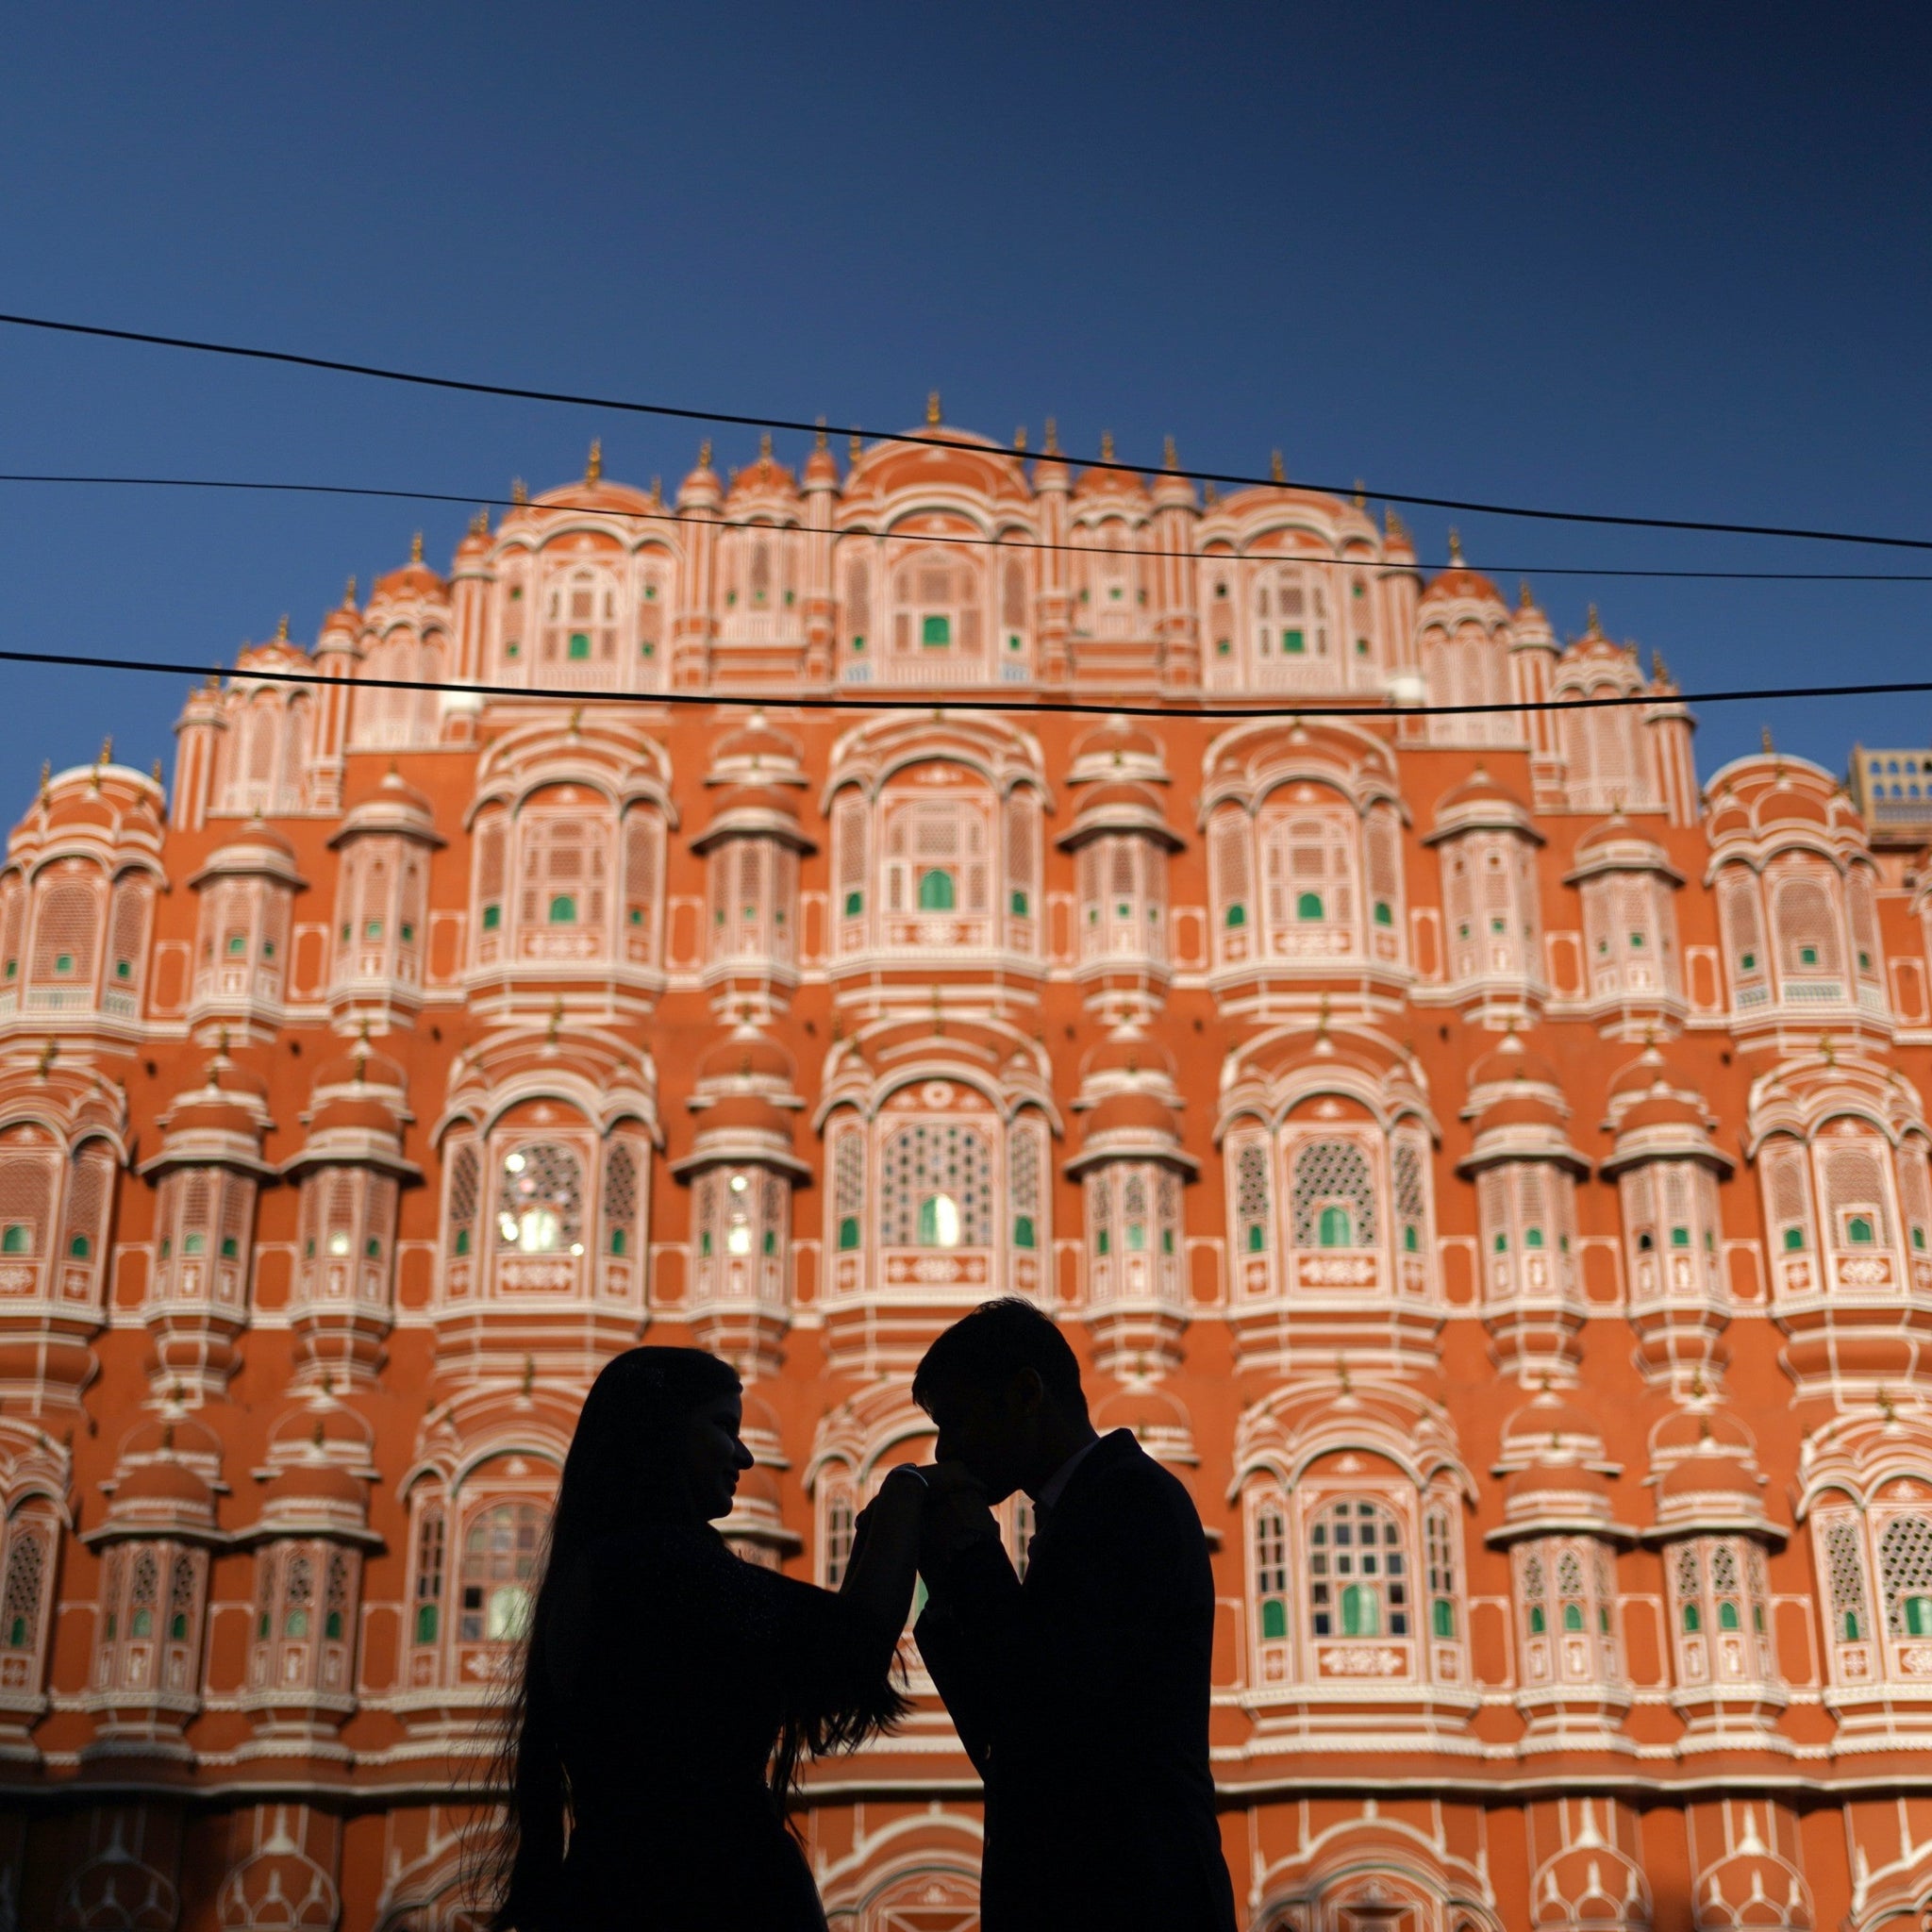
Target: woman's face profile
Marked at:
714, 1454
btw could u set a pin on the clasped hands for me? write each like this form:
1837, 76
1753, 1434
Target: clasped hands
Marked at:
940, 1505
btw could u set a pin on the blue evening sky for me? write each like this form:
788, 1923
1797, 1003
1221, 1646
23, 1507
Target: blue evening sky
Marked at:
1670, 260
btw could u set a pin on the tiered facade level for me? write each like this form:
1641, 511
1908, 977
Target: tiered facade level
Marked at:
1491, 1171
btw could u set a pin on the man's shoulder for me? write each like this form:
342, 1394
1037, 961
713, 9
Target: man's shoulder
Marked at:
1120, 1475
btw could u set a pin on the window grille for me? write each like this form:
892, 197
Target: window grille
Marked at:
1229, 853
620, 1195
144, 1590
1329, 1173
1013, 596
1845, 1568
20, 1599
1904, 1575
1743, 930
1806, 928
463, 1179
848, 1188
26, 1197
65, 927
1788, 1188
857, 599
1440, 1550
1854, 1190
1100, 1213
1271, 1572
640, 884
1251, 1198
1405, 1171
925, 1164
1022, 1181
540, 1200
1915, 1196
181, 1600
127, 940
501, 1551
1358, 1572
429, 1559
839, 1519
1535, 1595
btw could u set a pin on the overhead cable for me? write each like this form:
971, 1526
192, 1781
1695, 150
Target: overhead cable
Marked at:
420, 379
273, 487
785, 700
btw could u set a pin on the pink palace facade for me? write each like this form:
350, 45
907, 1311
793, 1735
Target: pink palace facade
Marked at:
1490, 1169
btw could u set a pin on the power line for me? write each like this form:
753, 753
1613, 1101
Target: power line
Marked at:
1071, 707
273, 487
376, 372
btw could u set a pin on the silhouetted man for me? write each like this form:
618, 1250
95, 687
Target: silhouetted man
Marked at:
1081, 1694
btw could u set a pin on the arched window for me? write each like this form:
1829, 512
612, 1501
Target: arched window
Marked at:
1904, 1573
1438, 1547
848, 1191
839, 1507
492, 842
1855, 1195
1842, 1536
1359, 1579
67, 922
619, 1199
563, 869
850, 862
498, 1576
1739, 912
935, 1187
1230, 865
22, 1597
1334, 1196
539, 1201
427, 1622
642, 831
1806, 918
1308, 871
459, 1213
1271, 1572
1251, 1199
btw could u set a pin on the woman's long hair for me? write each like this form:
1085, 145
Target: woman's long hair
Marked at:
625, 1467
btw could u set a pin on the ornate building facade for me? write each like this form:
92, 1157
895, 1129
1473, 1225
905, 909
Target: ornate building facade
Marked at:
1489, 1170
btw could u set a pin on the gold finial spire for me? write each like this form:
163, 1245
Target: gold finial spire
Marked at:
855, 448
1394, 527
932, 409
47, 1058
705, 454
156, 772
1659, 671
1210, 495
820, 440
1455, 546
529, 1375
46, 773
479, 524
1764, 739
1020, 440
282, 626
765, 449
1050, 447
1594, 626
1106, 446
349, 594
1277, 468
416, 547
519, 492
1361, 494
657, 490
1523, 600
594, 470
1170, 456
107, 756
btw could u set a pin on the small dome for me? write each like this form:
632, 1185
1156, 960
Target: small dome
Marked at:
744, 1113
766, 476
757, 744
83, 810
1135, 1113
163, 1481
1712, 1473
1119, 741
396, 806
1693, 1432
1130, 1053
1512, 1062
362, 1066
316, 1481
757, 798
1459, 582
1543, 1483
1551, 1426
1478, 789
1529, 1109
414, 580
183, 1437
746, 1056
326, 1425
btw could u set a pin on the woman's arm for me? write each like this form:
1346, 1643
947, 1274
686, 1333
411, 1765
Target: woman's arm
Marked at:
885, 1554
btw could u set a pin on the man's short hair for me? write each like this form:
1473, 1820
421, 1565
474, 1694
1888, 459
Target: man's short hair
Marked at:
985, 1350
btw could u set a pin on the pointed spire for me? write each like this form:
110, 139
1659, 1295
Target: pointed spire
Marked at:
657, 492
1106, 446
765, 450
416, 547
705, 454
821, 439
932, 409
1454, 547
519, 492
1050, 447
1594, 624
1393, 526
46, 773
1523, 600
479, 524
855, 448
282, 628
107, 756
1277, 468
594, 470
349, 594
1170, 456
1764, 739
156, 772
1020, 440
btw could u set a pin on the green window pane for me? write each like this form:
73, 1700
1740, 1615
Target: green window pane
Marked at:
426, 1623
771, 1241
855, 904
1256, 1237
194, 1244
1807, 955
462, 1240
1337, 1228
1237, 915
18, 1239
579, 645
1023, 1230
230, 1248
1167, 1241
848, 1234
492, 918
1361, 1610
1411, 1240
64, 963
1572, 1616
1274, 1618
1918, 1616
1136, 1237
936, 630
1728, 1618
1851, 1632
372, 1249
1536, 1620
1680, 1236
858, 645
79, 1247
936, 890
238, 944
332, 1626
1532, 1236
1858, 1230
1018, 902
1309, 906
618, 1241
1748, 961
124, 969
1794, 1238
705, 1241
1294, 643
564, 908
142, 1624
16, 1634
1692, 1620
1442, 1617
1385, 913
1103, 1243
295, 1624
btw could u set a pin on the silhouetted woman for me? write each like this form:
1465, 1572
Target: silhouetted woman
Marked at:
670, 1689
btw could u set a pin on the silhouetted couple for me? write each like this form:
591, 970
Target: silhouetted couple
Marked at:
669, 1689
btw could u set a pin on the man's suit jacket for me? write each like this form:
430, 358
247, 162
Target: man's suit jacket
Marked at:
1081, 1696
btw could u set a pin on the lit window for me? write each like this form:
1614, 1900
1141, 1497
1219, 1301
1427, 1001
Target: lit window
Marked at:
939, 1221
